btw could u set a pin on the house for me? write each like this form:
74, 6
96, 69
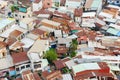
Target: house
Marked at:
51, 75
88, 19
39, 32
61, 51
95, 70
6, 23
72, 4
93, 5
47, 4
64, 41
5, 58
114, 2
3, 4
37, 63
43, 14
56, 3
27, 43
3, 49
16, 34
28, 75
39, 47
58, 33
78, 14
67, 77
27, 23
23, 12
21, 62
51, 24
37, 5
59, 64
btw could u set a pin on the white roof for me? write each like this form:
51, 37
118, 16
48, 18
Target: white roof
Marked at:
34, 57
5, 22
44, 15
27, 42
84, 67
107, 15
46, 28
70, 63
3, 3
5, 63
115, 26
51, 22
102, 57
100, 21
32, 36
89, 14
13, 27
27, 20
72, 36
114, 6
67, 77
39, 46
110, 20
88, 22
58, 33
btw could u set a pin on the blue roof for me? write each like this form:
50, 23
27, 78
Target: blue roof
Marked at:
12, 73
118, 34
113, 31
23, 9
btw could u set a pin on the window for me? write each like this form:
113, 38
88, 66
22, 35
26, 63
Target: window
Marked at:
17, 69
23, 16
117, 1
16, 15
27, 66
48, 3
37, 66
3, 54
22, 67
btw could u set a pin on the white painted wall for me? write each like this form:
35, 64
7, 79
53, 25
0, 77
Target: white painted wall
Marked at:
37, 6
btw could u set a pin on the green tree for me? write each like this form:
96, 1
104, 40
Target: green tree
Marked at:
73, 45
73, 54
51, 55
12, 8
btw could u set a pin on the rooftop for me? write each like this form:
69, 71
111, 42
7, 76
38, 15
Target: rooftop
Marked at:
19, 58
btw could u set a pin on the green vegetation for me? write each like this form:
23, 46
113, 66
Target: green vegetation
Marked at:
66, 70
51, 55
73, 48
73, 54
12, 8
57, 4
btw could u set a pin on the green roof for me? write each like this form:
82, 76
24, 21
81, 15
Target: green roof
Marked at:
112, 31
96, 3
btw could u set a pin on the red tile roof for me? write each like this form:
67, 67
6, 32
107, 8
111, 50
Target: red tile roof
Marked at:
61, 50
2, 44
51, 75
38, 32
59, 64
19, 57
37, 1
15, 33
43, 11
78, 12
28, 75
62, 15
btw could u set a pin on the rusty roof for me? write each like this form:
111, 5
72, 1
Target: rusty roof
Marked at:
19, 57
78, 12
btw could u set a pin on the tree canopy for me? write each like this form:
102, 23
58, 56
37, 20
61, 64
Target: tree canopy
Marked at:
51, 55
